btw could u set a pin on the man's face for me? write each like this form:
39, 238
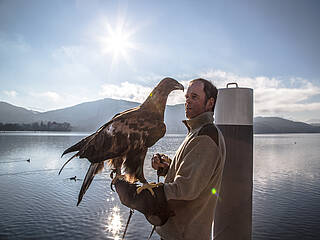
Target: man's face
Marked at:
195, 100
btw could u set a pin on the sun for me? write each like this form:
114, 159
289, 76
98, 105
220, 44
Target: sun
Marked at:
117, 42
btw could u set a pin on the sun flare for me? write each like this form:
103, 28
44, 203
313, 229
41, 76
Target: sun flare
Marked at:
117, 42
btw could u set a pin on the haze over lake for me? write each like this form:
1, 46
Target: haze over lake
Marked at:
36, 203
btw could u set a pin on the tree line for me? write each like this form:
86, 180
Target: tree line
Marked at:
36, 126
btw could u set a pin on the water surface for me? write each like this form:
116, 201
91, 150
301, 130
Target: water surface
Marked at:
36, 203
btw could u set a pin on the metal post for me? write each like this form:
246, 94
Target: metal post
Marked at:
234, 117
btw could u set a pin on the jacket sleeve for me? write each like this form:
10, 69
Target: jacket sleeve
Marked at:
195, 171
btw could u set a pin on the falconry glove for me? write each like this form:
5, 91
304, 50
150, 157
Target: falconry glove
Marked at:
155, 208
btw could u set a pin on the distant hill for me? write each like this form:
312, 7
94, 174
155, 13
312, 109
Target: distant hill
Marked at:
13, 114
89, 116
314, 122
280, 125
173, 119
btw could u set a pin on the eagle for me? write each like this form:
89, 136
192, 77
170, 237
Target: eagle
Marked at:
124, 140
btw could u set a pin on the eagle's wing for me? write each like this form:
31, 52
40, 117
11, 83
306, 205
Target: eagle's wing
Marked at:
78, 146
110, 142
101, 145
114, 140
86, 144
155, 133
123, 132
150, 131
126, 111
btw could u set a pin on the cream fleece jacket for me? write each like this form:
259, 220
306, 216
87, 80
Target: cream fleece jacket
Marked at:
195, 170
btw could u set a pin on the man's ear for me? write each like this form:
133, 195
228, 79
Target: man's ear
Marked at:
210, 104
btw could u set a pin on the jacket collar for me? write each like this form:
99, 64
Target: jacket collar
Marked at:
199, 121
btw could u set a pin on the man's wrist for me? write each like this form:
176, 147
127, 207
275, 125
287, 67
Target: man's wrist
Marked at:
163, 171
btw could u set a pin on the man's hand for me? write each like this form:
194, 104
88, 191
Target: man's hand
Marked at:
157, 162
160, 162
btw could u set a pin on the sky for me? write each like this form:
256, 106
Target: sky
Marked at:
56, 54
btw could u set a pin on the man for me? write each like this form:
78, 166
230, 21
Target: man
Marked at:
184, 206
193, 179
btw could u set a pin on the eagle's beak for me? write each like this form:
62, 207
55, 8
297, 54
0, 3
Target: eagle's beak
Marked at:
179, 87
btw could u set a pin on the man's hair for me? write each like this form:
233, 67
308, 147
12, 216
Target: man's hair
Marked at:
210, 90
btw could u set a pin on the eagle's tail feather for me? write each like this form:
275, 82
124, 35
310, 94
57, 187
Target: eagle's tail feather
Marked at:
67, 162
78, 146
92, 171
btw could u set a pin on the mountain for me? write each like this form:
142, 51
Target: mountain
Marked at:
280, 125
10, 113
89, 116
314, 122
173, 118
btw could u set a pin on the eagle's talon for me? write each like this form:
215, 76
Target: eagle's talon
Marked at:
149, 187
113, 171
117, 177
111, 187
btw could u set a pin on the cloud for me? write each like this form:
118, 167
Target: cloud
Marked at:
150, 77
272, 96
50, 100
14, 45
127, 91
52, 95
276, 96
49, 95
135, 92
221, 78
10, 93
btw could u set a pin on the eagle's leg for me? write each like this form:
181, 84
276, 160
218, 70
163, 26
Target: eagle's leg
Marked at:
140, 176
116, 171
149, 186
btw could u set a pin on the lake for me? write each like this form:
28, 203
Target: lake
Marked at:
37, 203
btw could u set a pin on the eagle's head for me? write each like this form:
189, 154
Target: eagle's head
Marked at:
165, 87
157, 99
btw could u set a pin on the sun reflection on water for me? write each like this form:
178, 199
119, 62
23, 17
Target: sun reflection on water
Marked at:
114, 223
